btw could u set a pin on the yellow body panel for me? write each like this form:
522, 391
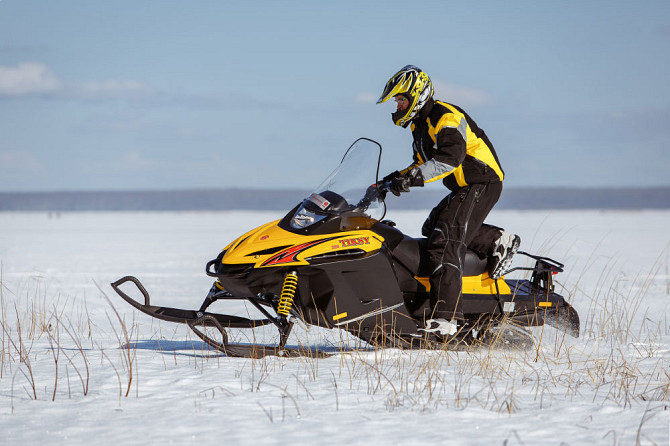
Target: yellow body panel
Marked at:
247, 234
481, 284
249, 248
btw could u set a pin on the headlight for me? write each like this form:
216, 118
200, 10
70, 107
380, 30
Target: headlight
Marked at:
304, 217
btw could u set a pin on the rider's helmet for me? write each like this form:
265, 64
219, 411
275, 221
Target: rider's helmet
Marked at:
413, 83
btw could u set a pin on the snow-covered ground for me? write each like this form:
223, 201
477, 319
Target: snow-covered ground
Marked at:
69, 376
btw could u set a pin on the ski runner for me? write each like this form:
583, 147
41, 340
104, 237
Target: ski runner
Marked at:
449, 146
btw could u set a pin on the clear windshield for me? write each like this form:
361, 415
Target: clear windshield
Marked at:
350, 187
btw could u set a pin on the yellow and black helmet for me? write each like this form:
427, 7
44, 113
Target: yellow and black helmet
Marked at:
413, 83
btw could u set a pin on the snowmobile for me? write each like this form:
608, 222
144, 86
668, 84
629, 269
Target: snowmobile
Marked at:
334, 262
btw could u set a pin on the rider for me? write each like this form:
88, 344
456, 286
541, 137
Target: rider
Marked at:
449, 146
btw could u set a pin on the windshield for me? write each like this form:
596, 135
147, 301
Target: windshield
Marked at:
350, 187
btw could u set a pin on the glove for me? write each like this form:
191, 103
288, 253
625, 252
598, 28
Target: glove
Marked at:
399, 184
402, 182
390, 176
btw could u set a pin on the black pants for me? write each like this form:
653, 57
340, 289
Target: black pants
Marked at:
453, 226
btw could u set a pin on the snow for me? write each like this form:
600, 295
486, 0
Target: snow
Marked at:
609, 387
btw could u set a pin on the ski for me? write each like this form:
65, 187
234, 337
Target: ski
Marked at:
180, 315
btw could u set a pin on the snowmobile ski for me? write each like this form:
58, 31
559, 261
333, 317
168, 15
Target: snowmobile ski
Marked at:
220, 322
180, 315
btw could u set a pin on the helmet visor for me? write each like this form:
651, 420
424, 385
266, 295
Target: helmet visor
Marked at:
400, 83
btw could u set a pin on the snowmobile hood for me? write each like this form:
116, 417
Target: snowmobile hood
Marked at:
270, 246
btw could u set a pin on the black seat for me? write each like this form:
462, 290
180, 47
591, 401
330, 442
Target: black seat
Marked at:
412, 254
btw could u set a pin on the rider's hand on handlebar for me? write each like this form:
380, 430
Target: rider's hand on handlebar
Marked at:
402, 182
399, 184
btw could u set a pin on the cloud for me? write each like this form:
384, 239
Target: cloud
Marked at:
35, 78
462, 96
28, 78
112, 89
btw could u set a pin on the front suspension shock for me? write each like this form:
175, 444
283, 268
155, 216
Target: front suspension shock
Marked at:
287, 293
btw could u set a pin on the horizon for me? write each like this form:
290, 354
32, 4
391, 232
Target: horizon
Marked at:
518, 198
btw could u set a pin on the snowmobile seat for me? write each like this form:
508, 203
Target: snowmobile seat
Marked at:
412, 253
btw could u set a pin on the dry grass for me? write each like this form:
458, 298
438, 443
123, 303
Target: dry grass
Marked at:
620, 360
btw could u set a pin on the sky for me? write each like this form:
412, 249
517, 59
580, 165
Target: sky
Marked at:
162, 95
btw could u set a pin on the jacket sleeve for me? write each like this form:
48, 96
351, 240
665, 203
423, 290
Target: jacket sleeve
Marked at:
449, 137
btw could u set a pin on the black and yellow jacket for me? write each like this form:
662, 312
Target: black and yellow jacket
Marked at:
449, 145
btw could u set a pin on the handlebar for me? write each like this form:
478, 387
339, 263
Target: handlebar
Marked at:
383, 187
374, 192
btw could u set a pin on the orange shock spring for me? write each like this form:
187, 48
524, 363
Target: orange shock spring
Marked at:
287, 293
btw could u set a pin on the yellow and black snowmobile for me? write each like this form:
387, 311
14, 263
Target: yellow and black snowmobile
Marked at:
333, 262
